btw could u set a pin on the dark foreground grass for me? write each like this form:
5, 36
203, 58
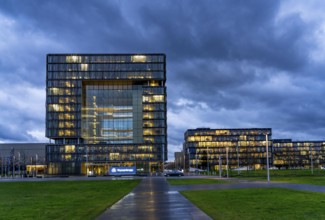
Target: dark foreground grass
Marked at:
60, 199
273, 203
195, 181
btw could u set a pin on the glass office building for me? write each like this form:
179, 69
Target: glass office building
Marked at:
105, 110
210, 149
298, 154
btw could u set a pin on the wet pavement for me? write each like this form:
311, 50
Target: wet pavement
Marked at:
153, 199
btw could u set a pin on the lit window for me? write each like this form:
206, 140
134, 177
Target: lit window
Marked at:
73, 59
154, 83
54, 107
69, 148
148, 124
84, 67
158, 98
154, 98
139, 58
148, 108
147, 132
54, 91
114, 156
61, 125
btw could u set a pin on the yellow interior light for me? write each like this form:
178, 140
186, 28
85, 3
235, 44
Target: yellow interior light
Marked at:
139, 58
84, 67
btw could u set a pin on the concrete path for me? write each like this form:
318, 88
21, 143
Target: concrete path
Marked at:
152, 199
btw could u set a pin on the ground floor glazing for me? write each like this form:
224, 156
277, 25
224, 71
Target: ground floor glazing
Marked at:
102, 168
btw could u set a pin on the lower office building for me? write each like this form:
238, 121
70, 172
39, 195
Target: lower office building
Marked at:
212, 149
105, 111
298, 154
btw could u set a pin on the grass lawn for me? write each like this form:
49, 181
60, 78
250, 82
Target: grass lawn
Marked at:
290, 176
313, 180
286, 173
273, 203
195, 181
60, 199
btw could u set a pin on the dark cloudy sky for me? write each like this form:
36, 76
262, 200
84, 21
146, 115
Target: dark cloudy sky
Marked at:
230, 63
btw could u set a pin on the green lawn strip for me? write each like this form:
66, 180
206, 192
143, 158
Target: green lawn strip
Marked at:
196, 181
290, 176
285, 173
313, 180
60, 199
271, 203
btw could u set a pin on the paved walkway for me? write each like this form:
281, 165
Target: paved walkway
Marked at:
152, 199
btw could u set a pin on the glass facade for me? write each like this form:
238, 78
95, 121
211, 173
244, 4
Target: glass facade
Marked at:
209, 149
298, 154
246, 148
105, 110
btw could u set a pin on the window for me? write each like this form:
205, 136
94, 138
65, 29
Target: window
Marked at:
138, 58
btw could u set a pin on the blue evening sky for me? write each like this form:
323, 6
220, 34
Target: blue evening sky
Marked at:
230, 64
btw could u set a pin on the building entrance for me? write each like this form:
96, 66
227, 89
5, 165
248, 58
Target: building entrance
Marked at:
102, 169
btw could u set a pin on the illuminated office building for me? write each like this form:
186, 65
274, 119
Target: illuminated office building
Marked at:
210, 149
298, 154
105, 110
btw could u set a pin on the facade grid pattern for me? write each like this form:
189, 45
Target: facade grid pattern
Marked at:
105, 110
209, 149
298, 154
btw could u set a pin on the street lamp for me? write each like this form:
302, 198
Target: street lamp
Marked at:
106, 164
196, 165
31, 166
220, 166
2, 165
311, 159
19, 163
227, 149
86, 161
184, 161
267, 157
36, 159
208, 160
13, 166
238, 158
189, 160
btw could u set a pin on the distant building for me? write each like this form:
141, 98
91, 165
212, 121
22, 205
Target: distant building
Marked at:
208, 149
22, 158
105, 110
179, 160
298, 154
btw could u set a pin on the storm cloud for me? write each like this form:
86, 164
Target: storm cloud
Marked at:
230, 64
